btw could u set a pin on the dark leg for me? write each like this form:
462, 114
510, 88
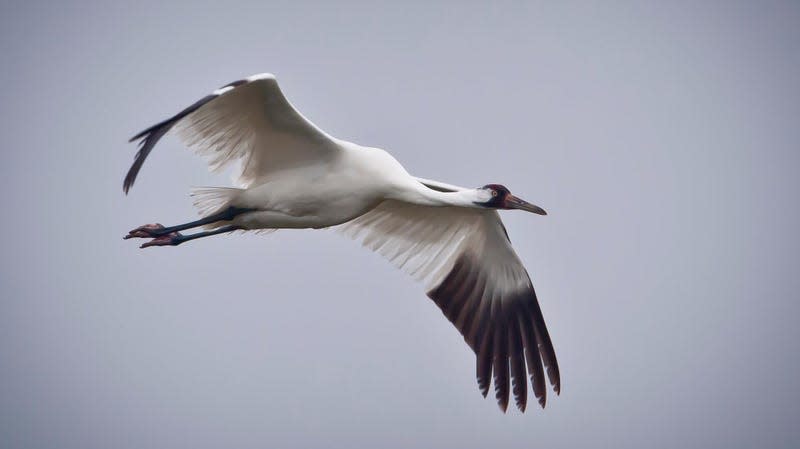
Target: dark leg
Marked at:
176, 238
157, 230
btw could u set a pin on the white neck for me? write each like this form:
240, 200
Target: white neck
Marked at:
417, 193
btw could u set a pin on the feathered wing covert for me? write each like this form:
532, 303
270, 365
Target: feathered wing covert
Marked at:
473, 274
248, 121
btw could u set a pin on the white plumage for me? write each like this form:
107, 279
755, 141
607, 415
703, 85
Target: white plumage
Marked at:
294, 175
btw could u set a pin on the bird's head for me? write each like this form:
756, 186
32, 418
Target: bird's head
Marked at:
499, 197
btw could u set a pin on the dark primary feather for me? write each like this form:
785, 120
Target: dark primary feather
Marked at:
506, 334
500, 362
519, 382
150, 136
533, 359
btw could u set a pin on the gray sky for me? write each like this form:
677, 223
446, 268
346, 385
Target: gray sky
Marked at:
661, 137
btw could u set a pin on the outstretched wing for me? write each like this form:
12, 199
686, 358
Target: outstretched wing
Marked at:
475, 277
249, 121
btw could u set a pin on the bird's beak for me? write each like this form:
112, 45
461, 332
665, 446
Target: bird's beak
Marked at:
513, 202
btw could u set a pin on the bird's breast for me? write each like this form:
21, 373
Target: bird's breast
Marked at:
316, 199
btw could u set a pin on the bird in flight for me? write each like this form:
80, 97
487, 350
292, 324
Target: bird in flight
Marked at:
294, 175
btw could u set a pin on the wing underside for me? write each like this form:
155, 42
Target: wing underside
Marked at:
476, 279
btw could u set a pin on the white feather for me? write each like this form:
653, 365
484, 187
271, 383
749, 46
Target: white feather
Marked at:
255, 125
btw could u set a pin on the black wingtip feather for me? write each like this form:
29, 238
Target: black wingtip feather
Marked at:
500, 368
546, 350
150, 136
519, 381
507, 334
144, 133
484, 365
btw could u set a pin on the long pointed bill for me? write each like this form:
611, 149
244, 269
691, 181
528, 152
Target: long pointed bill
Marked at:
513, 202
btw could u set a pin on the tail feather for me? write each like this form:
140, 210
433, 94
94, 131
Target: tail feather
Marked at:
210, 200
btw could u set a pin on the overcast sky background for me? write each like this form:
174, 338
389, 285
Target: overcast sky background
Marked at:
661, 137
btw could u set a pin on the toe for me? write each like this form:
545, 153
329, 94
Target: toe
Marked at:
145, 231
171, 239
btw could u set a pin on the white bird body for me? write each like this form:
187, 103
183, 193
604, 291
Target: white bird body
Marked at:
322, 201
338, 190
293, 175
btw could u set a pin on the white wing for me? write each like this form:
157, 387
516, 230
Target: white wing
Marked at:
475, 277
249, 121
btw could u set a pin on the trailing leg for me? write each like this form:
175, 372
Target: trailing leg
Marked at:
175, 238
158, 230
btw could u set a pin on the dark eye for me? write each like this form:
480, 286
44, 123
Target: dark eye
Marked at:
494, 192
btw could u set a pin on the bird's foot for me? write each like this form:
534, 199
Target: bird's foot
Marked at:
171, 239
147, 231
